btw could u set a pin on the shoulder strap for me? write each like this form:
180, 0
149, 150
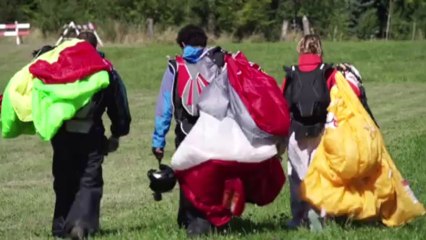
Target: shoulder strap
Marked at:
217, 55
173, 66
289, 71
289, 77
326, 66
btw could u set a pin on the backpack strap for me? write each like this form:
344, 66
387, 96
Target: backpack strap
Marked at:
173, 66
83, 121
184, 75
325, 68
288, 70
289, 75
217, 55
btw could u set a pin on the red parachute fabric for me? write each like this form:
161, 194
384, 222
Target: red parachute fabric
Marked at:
74, 63
260, 93
219, 189
189, 88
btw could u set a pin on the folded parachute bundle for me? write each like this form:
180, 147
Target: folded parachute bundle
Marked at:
230, 156
352, 173
51, 89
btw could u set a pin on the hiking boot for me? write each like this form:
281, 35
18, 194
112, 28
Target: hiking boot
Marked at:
198, 227
78, 233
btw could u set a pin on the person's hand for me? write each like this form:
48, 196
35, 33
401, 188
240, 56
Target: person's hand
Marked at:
158, 153
113, 144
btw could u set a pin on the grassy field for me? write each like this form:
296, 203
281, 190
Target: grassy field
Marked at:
396, 84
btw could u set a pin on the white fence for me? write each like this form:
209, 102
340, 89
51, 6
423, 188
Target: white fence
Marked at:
16, 29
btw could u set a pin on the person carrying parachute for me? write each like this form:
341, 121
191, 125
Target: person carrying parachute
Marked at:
61, 95
306, 89
226, 145
338, 164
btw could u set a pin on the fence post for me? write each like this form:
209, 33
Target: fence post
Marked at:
284, 30
414, 31
150, 27
306, 29
334, 33
18, 37
389, 20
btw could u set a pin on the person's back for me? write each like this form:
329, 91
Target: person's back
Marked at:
306, 88
79, 149
191, 79
308, 98
182, 85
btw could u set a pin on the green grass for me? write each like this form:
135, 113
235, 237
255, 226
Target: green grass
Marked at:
396, 86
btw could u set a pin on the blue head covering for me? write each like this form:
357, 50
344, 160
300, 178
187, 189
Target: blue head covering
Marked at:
192, 54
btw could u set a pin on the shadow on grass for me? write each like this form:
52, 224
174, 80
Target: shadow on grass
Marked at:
116, 231
245, 226
349, 224
237, 226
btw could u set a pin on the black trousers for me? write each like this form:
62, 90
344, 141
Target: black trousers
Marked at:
78, 182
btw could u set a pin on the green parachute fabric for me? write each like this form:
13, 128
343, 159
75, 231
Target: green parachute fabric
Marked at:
52, 104
11, 126
73, 72
55, 103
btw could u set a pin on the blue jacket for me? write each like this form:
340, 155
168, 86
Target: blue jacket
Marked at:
164, 110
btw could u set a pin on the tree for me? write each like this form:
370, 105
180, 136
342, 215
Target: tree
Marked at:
14, 10
241, 18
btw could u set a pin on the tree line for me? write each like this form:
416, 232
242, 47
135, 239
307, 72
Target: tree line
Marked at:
342, 19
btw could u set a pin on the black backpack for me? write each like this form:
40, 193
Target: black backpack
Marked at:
308, 97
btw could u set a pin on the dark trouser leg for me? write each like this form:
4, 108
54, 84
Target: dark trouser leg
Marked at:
191, 219
65, 185
184, 204
187, 212
85, 210
182, 218
299, 208
188, 216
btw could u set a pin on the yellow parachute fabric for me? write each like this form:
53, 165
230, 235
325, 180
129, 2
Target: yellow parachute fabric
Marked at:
352, 173
21, 85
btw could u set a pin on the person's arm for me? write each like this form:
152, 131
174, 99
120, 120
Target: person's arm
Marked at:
118, 106
163, 114
117, 110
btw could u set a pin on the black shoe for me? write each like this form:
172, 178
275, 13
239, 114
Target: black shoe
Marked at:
58, 231
78, 233
198, 227
295, 224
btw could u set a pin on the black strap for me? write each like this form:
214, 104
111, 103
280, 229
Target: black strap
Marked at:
217, 55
